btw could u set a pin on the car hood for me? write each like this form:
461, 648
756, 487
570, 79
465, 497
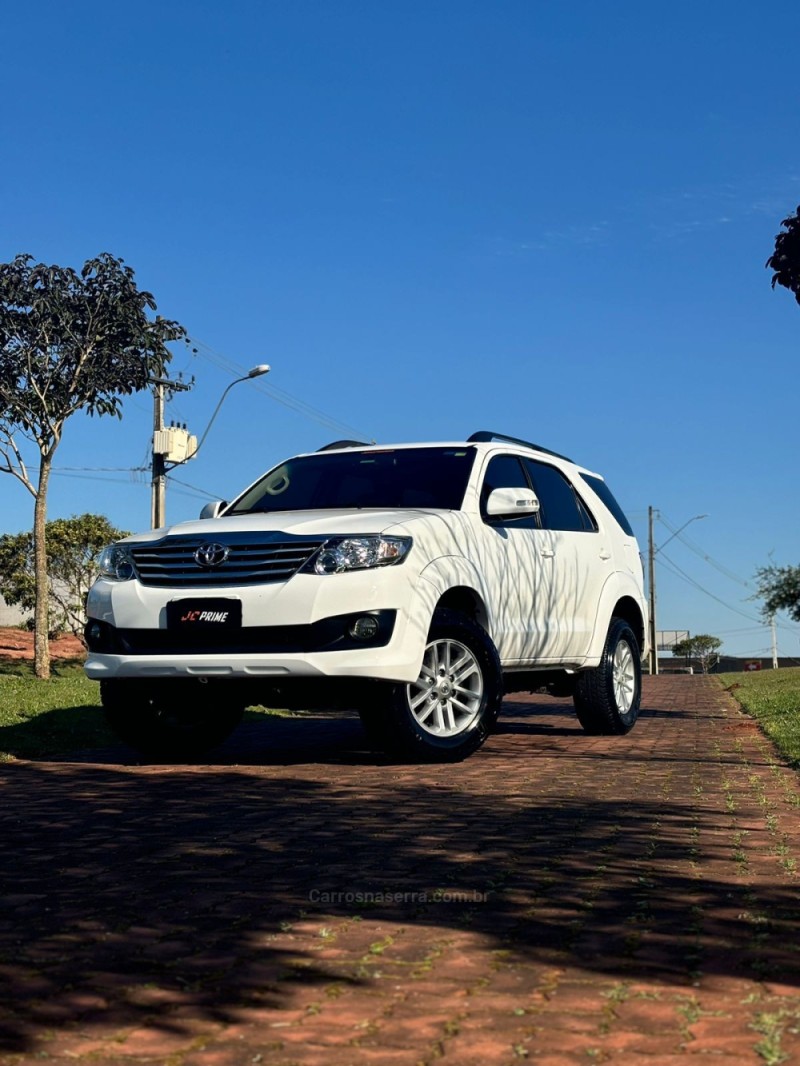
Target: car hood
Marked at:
298, 523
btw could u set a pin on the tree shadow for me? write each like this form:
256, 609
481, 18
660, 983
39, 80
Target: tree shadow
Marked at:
335, 737
62, 729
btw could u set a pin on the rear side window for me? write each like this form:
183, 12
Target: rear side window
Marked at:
606, 495
562, 508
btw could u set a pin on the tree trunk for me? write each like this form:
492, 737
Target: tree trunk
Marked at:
41, 616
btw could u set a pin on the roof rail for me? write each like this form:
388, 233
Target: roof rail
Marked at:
486, 435
343, 444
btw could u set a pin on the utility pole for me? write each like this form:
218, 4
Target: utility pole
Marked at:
158, 495
165, 447
651, 556
774, 632
653, 551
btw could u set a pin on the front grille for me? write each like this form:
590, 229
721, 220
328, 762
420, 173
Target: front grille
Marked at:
170, 563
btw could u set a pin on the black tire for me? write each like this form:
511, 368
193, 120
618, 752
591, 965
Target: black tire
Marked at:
171, 720
448, 712
607, 698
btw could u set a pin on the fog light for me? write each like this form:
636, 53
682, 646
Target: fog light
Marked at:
93, 634
365, 628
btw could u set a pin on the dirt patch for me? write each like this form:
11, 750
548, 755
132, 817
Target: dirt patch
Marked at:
18, 644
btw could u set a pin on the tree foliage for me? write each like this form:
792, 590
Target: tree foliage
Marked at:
73, 547
702, 647
779, 586
69, 341
785, 260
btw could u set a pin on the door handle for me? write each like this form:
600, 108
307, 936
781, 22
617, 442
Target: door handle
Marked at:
547, 553
605, 553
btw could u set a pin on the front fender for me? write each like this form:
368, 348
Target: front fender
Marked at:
451, 572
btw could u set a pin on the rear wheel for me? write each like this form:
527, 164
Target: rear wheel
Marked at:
447, 713
175, 720
607, 698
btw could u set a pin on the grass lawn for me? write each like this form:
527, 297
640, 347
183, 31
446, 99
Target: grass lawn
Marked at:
40, 718
773, 698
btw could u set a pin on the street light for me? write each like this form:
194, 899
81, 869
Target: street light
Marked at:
689, 521
256, 372
652, 580
160, 463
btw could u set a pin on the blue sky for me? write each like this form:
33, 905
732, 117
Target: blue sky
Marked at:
542, 218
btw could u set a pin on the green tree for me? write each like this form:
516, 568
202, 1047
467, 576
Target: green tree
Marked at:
779, 586
69, 342
703, 647
73, 547
785, 260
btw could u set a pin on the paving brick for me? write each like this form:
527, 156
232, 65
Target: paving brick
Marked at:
168, 913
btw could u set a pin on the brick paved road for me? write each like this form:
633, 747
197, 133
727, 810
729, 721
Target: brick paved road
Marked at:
623, 900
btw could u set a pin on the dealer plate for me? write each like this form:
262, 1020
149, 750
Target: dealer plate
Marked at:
205, 613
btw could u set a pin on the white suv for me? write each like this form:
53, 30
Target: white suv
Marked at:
414, 582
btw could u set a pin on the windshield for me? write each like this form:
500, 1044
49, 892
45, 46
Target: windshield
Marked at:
402, 477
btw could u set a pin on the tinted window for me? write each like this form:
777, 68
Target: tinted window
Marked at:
506, 472
606, 495
561, 506
408, 477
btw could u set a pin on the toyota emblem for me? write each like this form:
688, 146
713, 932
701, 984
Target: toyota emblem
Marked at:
209, 555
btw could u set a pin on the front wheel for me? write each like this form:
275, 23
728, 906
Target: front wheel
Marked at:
171, 720
607, 698
447, 713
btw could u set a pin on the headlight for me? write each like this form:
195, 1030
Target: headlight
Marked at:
340, 554
115, 563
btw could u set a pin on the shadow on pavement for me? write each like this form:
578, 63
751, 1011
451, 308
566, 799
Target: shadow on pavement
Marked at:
161, 895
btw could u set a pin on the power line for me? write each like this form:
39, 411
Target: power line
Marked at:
684, 539
196, 488
685, 577
101, 469
194, 494
90, 469
744, 629
277, 394
87, 477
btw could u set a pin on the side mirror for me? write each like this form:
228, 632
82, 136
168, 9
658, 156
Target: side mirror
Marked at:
212, 510
511, 503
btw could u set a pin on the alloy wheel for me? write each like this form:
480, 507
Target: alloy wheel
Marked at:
446, 698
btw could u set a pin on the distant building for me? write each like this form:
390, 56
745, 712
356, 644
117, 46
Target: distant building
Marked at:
666, 639
728, 664
10, 616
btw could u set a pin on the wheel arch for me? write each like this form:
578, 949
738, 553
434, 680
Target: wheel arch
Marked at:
457, 586
629, 611
466, 601
620, 599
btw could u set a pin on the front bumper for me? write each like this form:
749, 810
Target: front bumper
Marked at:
380, 665
327, 647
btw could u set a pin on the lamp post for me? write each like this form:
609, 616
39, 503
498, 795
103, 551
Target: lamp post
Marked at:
160, 463
653, 551
256, 372
688, 522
